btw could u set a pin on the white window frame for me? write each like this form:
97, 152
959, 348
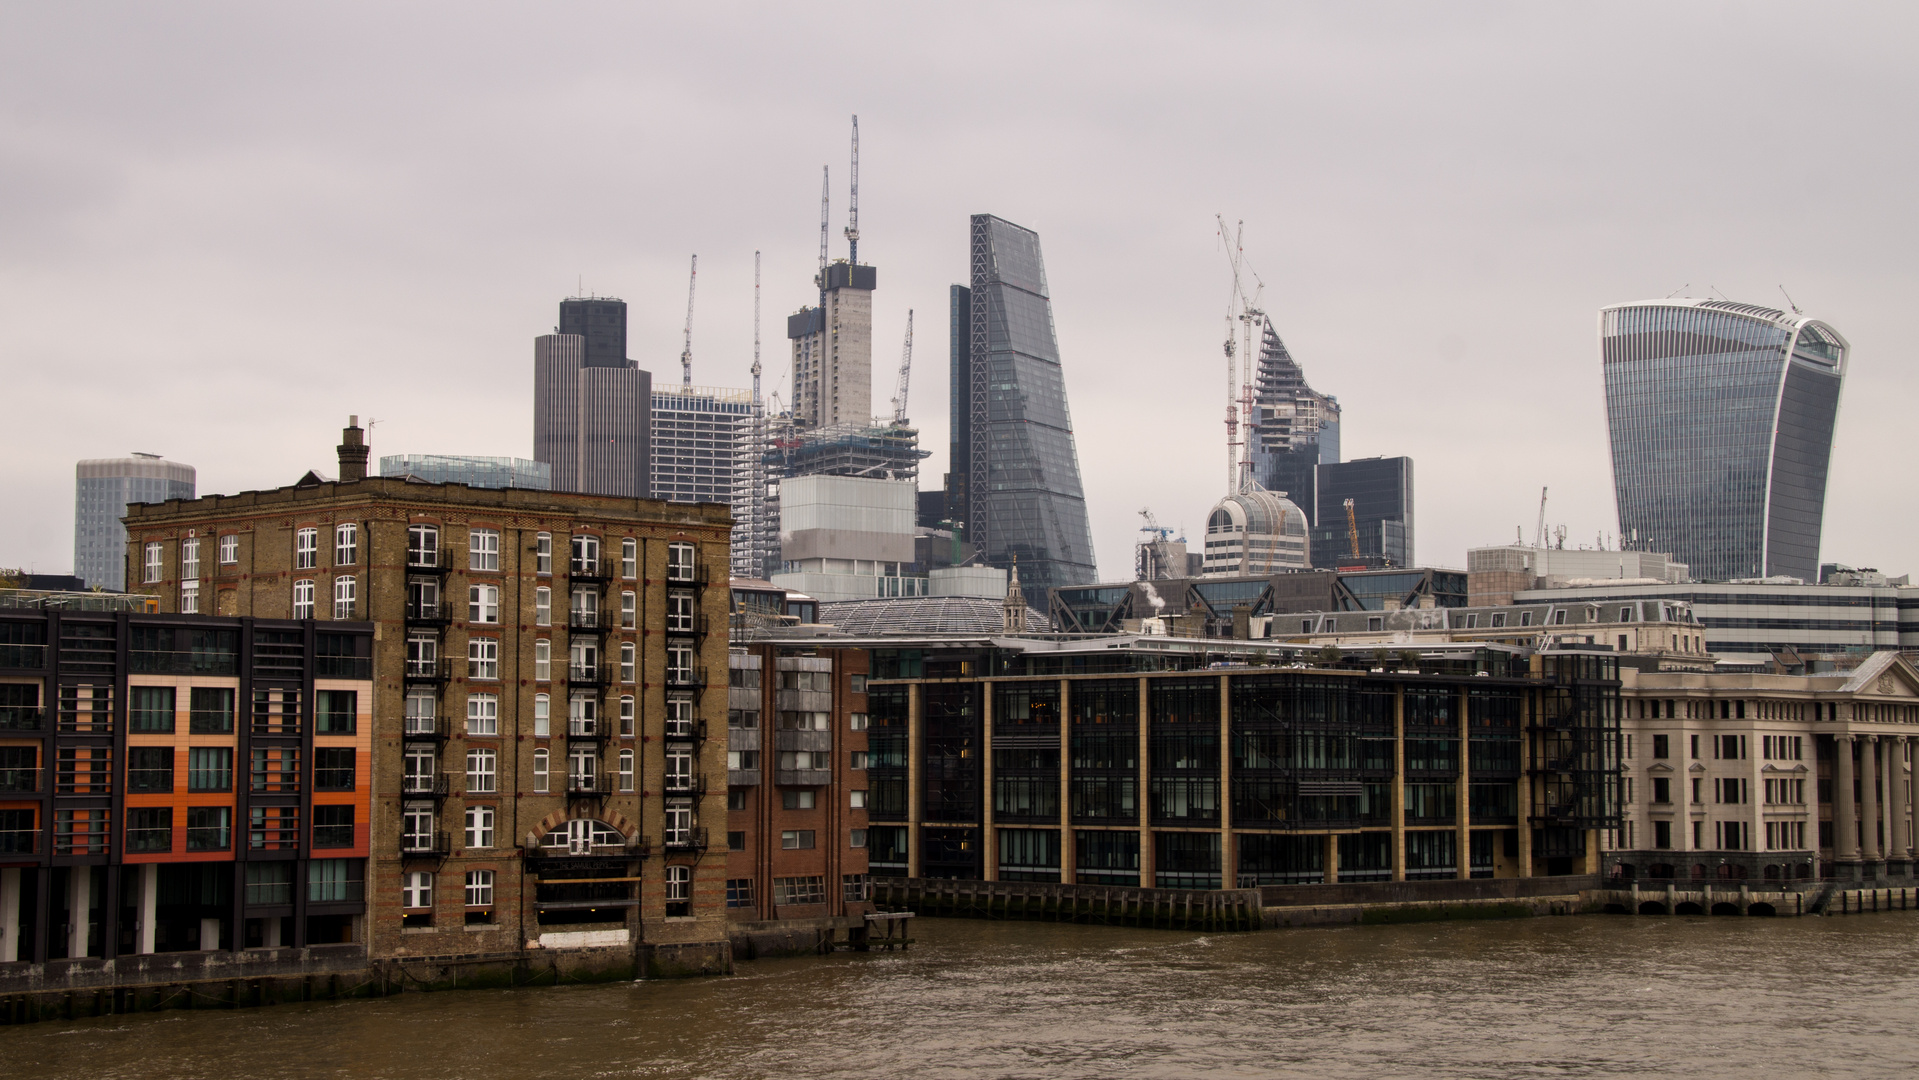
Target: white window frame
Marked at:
626, 715
482, 771
479, 887
417, 827
680, 560
542, 716
679, 883
628, 661
679, 820
422, 712
626, 770
483, 658
629, 610
303, 598
346, 592
422, 654
582, 714
542, 606
479, 826
582, 768
542, 660
482, 714
483, 549
416, 889
155, 564
629, 558
679, 716
189, 559
346, 544
229, 549
189, 597
540, 770
584, 608
543, 553
423, 545
306, 548
679, 663
585, 555
679, 612
483, 604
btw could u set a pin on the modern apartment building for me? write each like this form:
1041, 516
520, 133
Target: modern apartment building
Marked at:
1135, 762
181, 783
103, 488
1773, 778
592, 407
1721, 416
699, 434
1015, 485
541, 772
796, 790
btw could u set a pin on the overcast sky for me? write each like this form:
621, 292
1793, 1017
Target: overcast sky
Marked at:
223, 228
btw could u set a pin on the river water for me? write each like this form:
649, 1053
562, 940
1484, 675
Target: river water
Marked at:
1577, 996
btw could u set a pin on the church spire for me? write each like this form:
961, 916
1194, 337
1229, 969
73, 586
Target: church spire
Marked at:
1014, 617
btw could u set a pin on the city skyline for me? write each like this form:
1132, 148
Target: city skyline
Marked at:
1450, 214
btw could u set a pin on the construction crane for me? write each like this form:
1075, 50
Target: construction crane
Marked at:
1539, 534
826, 193
853, 214
1150, 556
1352, 527
906, 372
686, 350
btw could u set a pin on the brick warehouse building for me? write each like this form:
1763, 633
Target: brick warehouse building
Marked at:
540, 669
174, 783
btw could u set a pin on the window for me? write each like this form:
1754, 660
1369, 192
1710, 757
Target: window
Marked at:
804, 759
482, 714
344, 591
853, 888
679, 770
735, 841
543, 606
346, 545
629, 558
858, 800
479, 827
583, 769
629, 610
856, 838
679, 562
626, 770
679, 717
150, 769
586, 556
626, 661
419, 770
742, 759
796, 839
1662, 835
269, 883
739, 891
189, 559
483, 658
679, 890
679, 821
479, 887
796, 800
805, 721
482, 769
543, 553
303, 599
1731, 789
189, 597
857, 759
150, 828
483, 549
483, 603
856, 722
679, 613
539, 770
1661, 746
1729, 747
585, 608
1661, 789
335, 880
421, 712
1697, 784
736, 798
416, 828
229, 549
1695, 738
210, 768
542, 716
679, 664
332, 826
335, 712
333, 768
856, 683
626, 715
155, 561
209, 828
1525, 618
422, 545
542, 660
151, 711
799, 890
306, 549
582, 715
416, 889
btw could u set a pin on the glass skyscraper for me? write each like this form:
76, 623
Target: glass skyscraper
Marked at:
1015, 483
1295, 428
102, 489
1721, 416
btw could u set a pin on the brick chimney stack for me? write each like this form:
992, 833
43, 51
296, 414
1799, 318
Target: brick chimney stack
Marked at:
353, 451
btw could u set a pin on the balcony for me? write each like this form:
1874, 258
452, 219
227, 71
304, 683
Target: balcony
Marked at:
428, 562
695, 625
686, 839
803, 777
595, 676
19, 841
596, 730
428, 613
425, 729
586, 622
686, 731
597, 572
683, 678
183, 662
19, 781
429, 671
686, 785
425, 845
424, 787
32, 657
590, 785
22, 718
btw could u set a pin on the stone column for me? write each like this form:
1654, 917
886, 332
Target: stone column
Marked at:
1845, 836
1332, 858
1892, 775
9, 915
145, 931
1902, 817
1869, 798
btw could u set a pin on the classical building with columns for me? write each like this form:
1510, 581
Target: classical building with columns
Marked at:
1769, 777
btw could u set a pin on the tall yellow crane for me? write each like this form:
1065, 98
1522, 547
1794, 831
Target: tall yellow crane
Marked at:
1352, 527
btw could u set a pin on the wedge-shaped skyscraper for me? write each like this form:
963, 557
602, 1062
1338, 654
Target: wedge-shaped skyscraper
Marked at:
1015, 482
1721, 416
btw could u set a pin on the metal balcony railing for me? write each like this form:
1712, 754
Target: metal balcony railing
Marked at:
692, 676
20, 781
693, 839
19, 841
686, 730
590, 785
596, 675
686, 785
429, 671
429, 612
425, 845
586, 622
428, 562
424, 786
22, 718
425, 729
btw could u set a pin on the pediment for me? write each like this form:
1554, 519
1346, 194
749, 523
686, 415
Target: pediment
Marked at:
1661, 767
1885, 675
1697, 767
1799, 769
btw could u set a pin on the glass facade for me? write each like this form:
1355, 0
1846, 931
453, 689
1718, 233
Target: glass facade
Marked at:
1382, 494
479, 472
1721, 417
1296, 428
1022, 496
103, 488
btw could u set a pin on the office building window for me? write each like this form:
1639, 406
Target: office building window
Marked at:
483, 603
346, 545
333, 768
210, 768
479, 826
483, 549
482, 714
345, 589
229, 549
210, 710
483, 658
306, 549
796, 839
303, 599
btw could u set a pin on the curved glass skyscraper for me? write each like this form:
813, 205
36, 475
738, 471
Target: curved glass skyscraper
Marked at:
1721, 416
